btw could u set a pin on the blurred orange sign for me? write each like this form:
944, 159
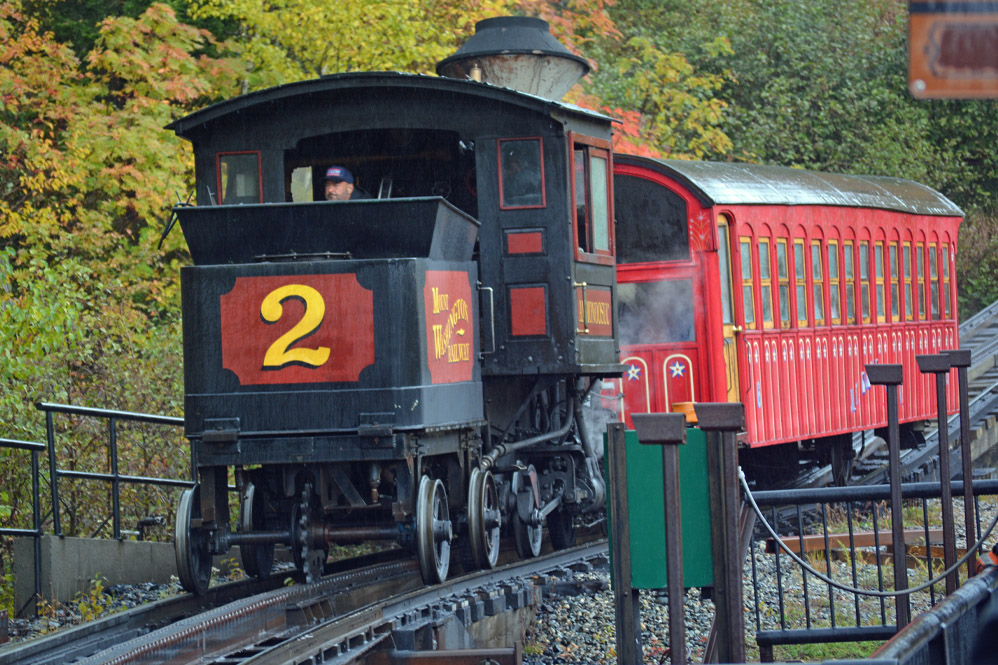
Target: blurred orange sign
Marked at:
953, 49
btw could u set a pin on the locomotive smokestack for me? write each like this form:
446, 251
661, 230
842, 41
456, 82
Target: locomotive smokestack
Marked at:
518, 53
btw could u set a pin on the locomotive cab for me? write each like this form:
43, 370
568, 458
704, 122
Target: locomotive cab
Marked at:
405, 366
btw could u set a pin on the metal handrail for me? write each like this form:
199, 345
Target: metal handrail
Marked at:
36, 520
114, 478
970, 325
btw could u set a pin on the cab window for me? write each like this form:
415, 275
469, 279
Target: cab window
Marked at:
239, 178
591, 185
521, 174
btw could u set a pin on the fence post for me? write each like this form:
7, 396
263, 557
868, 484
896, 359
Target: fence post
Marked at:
940, 366
669, 431
960, 359
720, 421
626, 602
112, 435
36, 522
53, 473
890, 376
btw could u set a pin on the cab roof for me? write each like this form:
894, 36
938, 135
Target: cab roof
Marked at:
337, 83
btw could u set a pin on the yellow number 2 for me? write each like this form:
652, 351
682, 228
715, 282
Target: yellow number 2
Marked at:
280, 354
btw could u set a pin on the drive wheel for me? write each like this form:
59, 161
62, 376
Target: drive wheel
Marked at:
257, 559
562, 529
528, 538
433, 531
191, 545
484, 519
309, 547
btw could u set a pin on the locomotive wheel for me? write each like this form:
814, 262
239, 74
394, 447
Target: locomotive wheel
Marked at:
528, 538
562, 529
306, 519
433, 531
191, 545
484, 519
257, 559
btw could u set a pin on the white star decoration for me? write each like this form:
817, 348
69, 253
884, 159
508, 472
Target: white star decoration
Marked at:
677, 368
633, 372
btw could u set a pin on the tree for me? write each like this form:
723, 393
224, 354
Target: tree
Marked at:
290, 40
89, 307
666, 107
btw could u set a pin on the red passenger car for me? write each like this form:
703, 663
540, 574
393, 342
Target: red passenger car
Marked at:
774, 287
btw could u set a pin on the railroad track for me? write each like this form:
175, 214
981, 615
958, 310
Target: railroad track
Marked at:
340, 619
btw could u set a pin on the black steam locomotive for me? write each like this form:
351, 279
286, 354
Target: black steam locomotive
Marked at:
409, 365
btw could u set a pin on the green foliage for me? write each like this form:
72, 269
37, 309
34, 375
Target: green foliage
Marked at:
91, 603
76, 23
813, 653
977, 264
290, 40
89, 306
670, 107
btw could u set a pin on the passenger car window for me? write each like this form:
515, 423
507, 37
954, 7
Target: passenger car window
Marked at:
765, 283
800, 275
784, 281
656, 312
833, 282
638, 199
748, 290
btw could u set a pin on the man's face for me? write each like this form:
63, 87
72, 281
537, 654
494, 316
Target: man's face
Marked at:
338, 190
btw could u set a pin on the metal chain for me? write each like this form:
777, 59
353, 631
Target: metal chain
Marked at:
843, 587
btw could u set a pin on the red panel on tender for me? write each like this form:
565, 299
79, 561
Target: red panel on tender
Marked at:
297, 329
450, 333
524, 242
528, 311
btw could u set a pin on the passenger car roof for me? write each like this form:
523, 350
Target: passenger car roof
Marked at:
747, 184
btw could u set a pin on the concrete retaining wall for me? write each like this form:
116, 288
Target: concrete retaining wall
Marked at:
69, 566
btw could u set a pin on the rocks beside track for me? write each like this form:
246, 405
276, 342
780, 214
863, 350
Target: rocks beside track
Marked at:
575, 623
97, 603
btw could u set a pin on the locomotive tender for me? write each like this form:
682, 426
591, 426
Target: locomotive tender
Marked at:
774, 287
412, 366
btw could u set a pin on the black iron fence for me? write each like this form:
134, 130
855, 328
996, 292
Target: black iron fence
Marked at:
36, 517
114, 479
845, 534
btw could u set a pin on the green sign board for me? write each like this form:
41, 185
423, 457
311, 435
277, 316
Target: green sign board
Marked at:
646, 508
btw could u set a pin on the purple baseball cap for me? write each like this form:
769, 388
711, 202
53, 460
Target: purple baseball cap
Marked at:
339, 174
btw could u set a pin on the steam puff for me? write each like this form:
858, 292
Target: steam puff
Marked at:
656, 312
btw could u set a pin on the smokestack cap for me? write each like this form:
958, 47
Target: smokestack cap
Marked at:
519, 53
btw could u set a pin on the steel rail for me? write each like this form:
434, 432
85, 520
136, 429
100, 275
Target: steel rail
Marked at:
79, 641
346, 639
274, 624
86, 639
